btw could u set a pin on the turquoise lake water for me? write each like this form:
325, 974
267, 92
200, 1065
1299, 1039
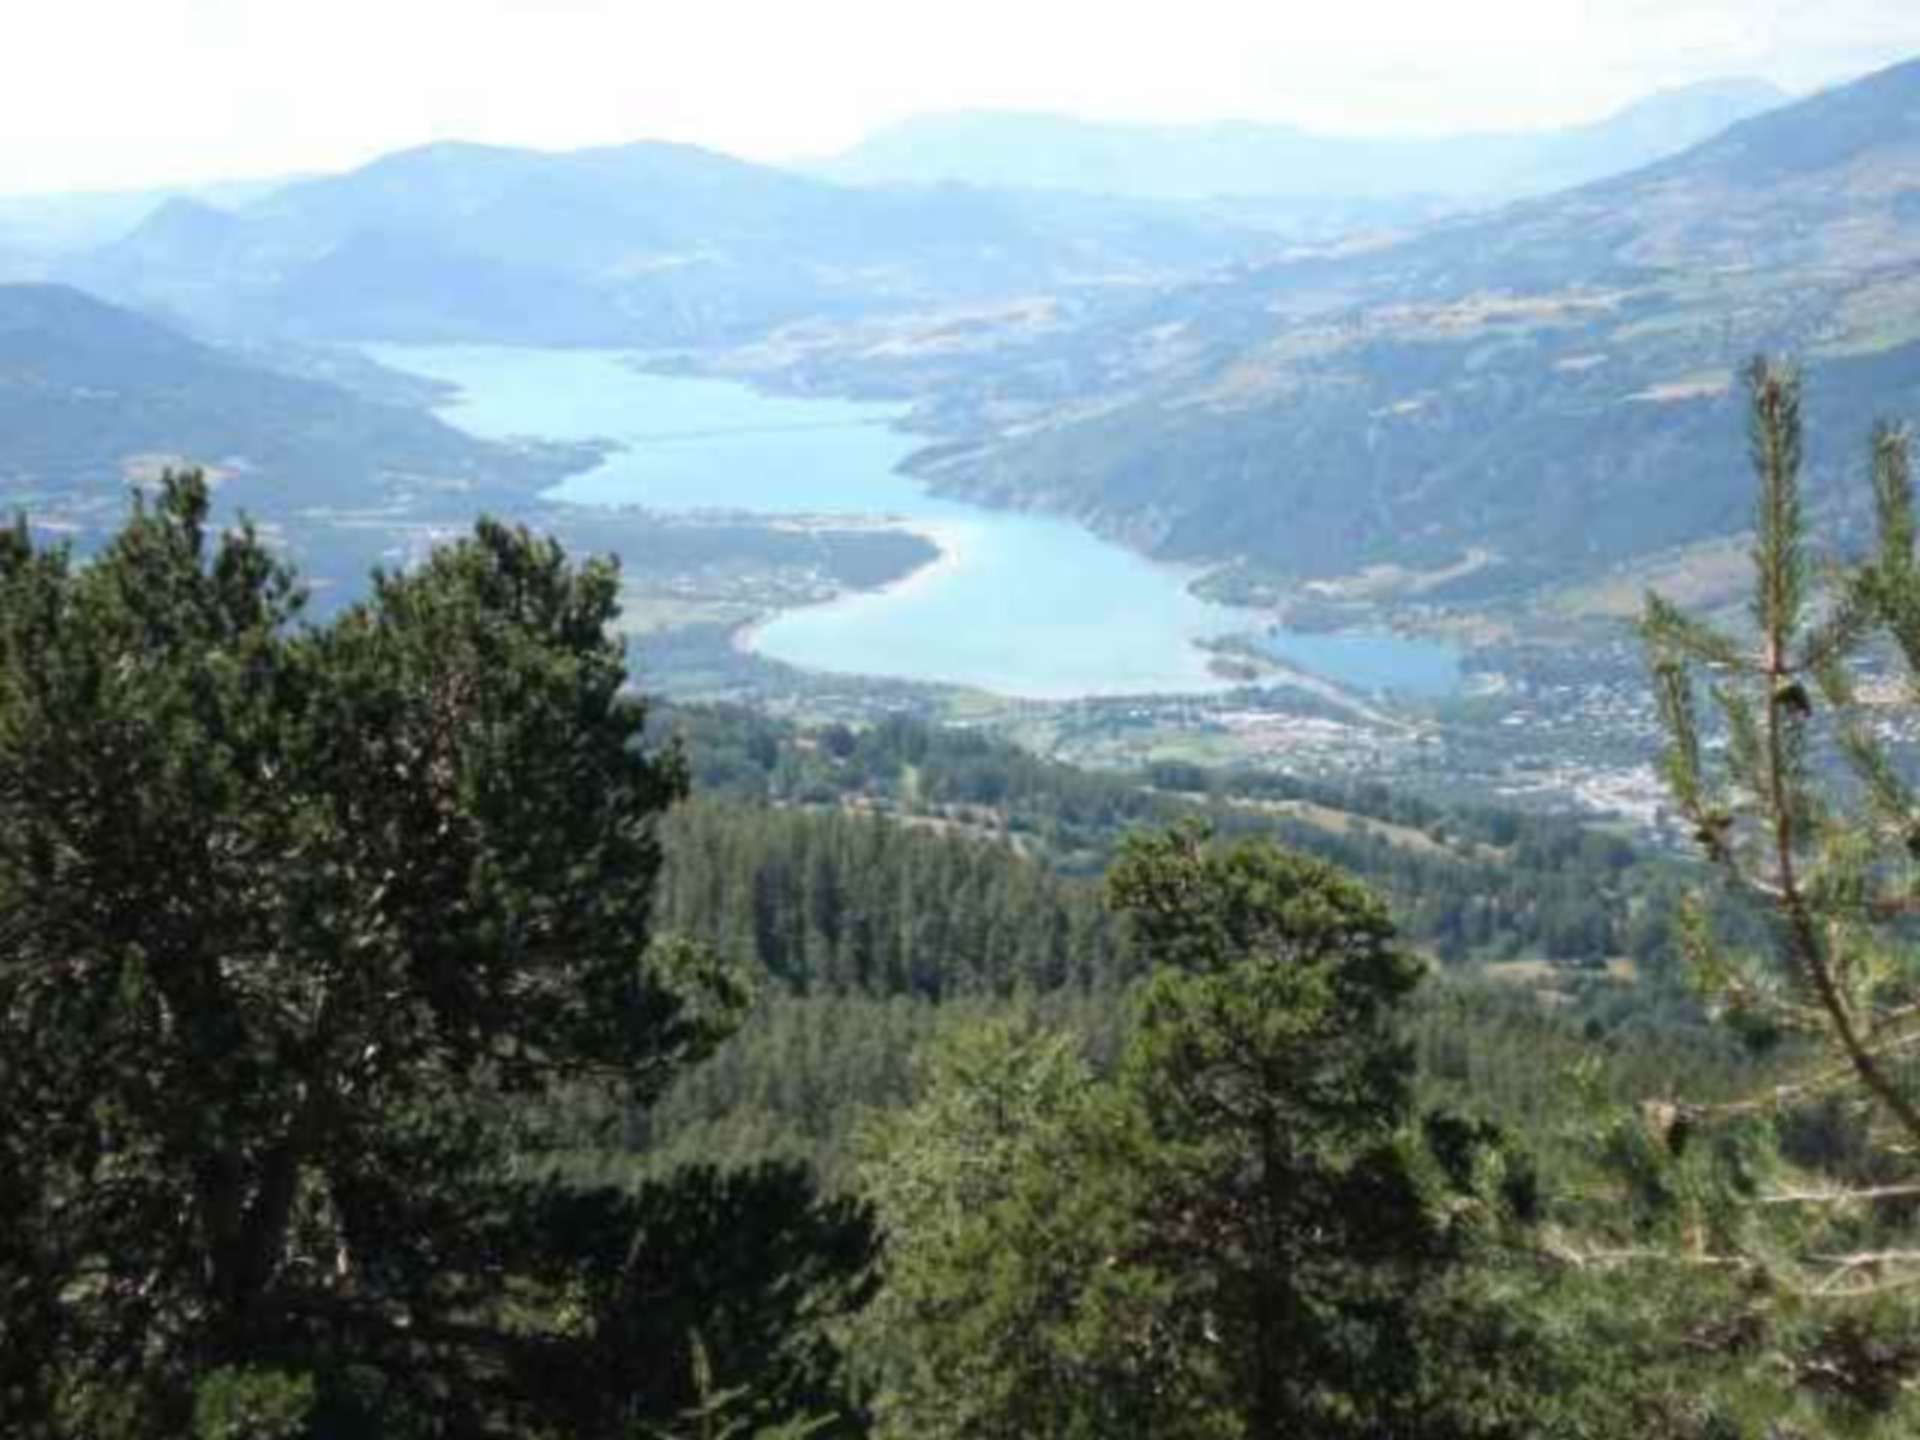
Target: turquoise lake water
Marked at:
1019, 605
1369, 661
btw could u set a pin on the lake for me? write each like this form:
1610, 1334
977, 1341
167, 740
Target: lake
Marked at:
1020, 605
1369, 660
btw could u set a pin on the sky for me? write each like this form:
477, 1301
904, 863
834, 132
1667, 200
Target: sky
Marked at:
100, 94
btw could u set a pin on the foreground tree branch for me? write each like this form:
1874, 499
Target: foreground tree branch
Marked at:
1829, 866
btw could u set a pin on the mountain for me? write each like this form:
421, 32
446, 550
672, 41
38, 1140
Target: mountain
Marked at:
1537, 393
93, 398
39, 228
648, 243
1243, 159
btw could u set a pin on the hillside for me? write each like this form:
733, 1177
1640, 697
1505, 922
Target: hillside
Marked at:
93, 396
94, 399
410, 903
37, 229
1470, 883
1547, 387
647, 243
1245, 159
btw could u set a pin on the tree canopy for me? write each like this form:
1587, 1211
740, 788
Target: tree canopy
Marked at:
298, 923
1236, 1235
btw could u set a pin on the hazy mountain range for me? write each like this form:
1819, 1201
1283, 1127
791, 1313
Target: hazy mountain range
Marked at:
640, 244
38, 230
1244, 159
1549, 386
1543, 387
669, 245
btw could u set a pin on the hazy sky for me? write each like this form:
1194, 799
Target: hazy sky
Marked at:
99, 93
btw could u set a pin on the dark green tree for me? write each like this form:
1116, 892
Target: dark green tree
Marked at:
974, 1328
1243, 1234
1287, 1205
297, 927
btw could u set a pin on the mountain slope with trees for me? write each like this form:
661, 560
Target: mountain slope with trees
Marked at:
93, 396
356, 1073
1549, 387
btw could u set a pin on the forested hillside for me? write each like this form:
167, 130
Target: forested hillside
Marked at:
93, 396
405, 1034
1538, 393
1471, 884
883, 879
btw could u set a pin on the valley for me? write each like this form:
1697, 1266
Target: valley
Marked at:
933, 722
1128, 476
1016, 605
1027, 625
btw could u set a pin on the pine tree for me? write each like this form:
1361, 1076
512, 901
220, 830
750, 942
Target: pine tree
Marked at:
305, 935
1237, 1236
1809, 815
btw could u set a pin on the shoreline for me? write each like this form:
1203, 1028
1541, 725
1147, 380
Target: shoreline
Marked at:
1200, 670
946, 537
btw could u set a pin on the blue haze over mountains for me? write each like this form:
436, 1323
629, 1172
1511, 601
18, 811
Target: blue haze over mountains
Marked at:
1244, 159
1542, 384
1548, 386
647, 243
669, 244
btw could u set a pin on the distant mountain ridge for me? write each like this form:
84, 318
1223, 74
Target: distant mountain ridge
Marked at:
1248, 159
1549, 388
670, 246
39, 229
650, 243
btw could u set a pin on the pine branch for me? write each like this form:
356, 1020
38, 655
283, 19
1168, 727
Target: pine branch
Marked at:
1673, 634
1779, 562
1893, 501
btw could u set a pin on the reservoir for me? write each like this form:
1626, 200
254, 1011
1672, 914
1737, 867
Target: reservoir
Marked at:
1376, 662
1020, 605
